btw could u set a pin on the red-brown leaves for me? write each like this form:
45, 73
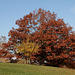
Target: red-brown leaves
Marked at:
56, 38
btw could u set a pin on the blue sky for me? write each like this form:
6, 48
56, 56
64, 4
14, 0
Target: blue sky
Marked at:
12, 10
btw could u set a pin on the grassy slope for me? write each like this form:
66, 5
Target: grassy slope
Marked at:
22, 69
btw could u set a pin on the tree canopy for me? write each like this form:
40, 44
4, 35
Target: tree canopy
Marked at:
55, 38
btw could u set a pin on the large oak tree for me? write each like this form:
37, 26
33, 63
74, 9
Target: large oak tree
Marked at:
55, 37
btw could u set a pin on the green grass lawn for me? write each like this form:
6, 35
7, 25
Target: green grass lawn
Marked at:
22, 69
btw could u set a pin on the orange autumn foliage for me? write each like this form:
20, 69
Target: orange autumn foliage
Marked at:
55, 37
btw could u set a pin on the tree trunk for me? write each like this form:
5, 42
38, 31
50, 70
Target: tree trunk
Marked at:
29, 60
24, 61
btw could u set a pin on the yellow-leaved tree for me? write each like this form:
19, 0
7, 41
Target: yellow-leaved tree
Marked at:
28, 48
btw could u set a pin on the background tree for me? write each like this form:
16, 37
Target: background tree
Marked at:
2, 40
5, 54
